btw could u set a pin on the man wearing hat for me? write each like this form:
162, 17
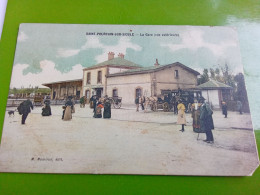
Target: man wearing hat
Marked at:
206, 121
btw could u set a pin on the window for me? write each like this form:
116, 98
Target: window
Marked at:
115, 93
176, 74
88, 77
87, 94
99, 78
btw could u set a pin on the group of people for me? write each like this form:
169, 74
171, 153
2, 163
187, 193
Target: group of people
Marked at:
202, 118
224, 107
69, 108
98, 104
26, 106
139, 100
201, 112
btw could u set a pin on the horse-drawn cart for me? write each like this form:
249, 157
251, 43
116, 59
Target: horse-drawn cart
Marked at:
116, 102
168, 100
38, 100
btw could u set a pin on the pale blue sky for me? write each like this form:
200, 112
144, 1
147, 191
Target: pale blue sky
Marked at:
3, 4
64, 49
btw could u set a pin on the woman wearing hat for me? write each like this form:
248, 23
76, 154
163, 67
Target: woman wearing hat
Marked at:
181, 120
67, 115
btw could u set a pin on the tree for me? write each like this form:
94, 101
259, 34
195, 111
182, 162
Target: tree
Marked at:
241, 94
204, 77
212, 73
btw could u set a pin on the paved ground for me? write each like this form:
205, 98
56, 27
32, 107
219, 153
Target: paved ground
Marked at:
130, 143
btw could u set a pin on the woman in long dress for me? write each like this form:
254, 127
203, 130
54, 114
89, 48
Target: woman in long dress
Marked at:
107, 109
46, 110
68, 110
98, 110
195, 114
181, 120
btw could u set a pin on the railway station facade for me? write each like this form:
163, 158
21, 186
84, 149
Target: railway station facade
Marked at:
119, 77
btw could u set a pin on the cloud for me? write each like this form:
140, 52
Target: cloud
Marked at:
123, 44
22, 37
62, 52
93, 42
193, 40
48, 74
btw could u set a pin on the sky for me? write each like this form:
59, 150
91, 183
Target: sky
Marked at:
55, 52
3, 4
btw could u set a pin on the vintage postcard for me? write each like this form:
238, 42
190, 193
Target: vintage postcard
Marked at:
128, 99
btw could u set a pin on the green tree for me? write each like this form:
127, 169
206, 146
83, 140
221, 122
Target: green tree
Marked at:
212, 73
241, 93
204, 77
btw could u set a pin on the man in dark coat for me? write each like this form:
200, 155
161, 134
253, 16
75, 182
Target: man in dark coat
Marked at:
93, 100
206, 122
224, 108
24, 109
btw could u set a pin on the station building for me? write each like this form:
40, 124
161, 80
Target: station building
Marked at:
123, 78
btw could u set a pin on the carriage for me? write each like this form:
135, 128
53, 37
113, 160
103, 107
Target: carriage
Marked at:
168, 100
116, 101
38, 100
186, 95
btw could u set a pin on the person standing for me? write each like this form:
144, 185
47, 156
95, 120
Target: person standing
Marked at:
206, 122
175, 104
24, 109
195, 114
239, 107
98, 110
137, 103
82, 102
91, 102
67, 112
46, 110
142, 102
94, 100
73, 105
181, 120
107, 109
224, 108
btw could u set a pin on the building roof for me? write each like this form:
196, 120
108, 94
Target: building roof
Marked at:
212, 84
57, 82
115, 62
149, 69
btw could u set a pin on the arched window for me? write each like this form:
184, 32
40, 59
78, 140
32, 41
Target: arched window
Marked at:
115, 93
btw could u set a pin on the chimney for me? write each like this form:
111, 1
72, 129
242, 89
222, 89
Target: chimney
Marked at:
121, 55
156, 63
111, 55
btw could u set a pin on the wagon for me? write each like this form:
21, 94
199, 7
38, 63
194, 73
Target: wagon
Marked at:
158, 103
38, 100
116, 102
186, 95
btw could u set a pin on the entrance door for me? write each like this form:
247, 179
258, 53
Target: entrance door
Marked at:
99, 92
78, 94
